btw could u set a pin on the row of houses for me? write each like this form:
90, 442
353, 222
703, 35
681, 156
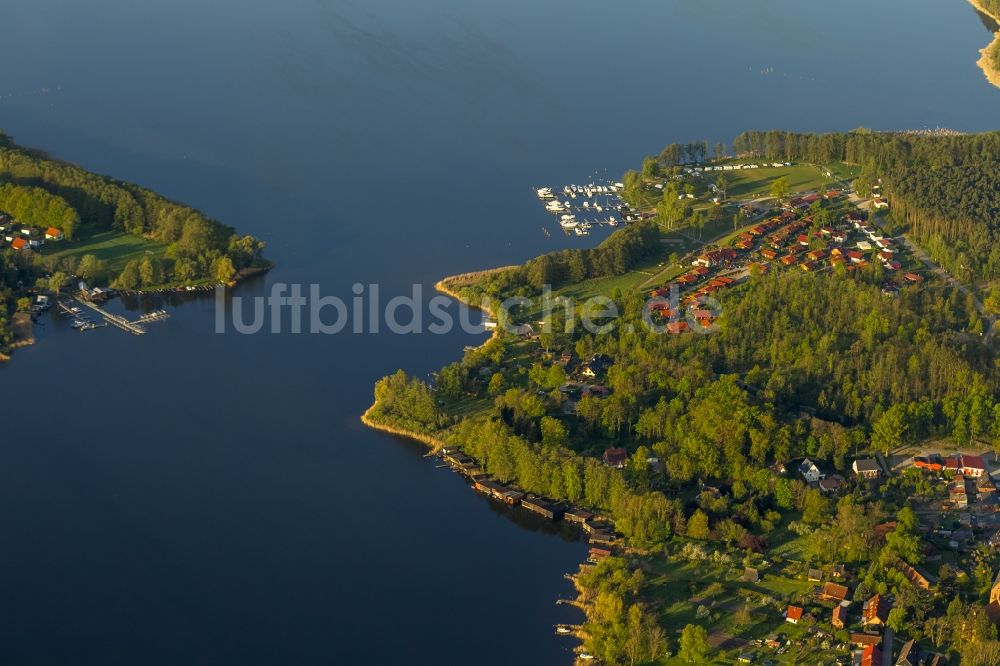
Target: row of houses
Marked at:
807, 250
968, 465
20, 236
863, 468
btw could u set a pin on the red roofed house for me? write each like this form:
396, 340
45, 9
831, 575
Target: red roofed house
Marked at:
972, 465
855, 256
53, 234
966, 465
677, 327
615, 457
716, 257
18, 244
839, 620
871, 656
793, 614
864, 640
875, 611
833, 592
930, 462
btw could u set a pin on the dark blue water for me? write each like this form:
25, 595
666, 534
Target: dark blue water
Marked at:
187, 497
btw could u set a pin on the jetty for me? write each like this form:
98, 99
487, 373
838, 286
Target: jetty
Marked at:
73, 308
116, 320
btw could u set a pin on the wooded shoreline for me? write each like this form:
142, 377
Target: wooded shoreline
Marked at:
986, 62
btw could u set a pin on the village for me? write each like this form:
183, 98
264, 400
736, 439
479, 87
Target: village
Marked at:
787, 237
791, 610
961, 514
796, 608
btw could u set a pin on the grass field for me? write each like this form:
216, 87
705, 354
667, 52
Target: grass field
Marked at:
844, 171
115, 247
750, 183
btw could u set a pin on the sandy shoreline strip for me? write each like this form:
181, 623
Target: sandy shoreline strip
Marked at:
433, 443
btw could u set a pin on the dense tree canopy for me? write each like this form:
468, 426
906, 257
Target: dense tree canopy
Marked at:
36, 207
45, 192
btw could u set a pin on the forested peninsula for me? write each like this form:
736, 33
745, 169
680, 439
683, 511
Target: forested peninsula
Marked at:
989, 60
60, 223
815, 469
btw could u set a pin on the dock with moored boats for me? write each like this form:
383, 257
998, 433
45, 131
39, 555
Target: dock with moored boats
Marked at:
574, 205
74, 307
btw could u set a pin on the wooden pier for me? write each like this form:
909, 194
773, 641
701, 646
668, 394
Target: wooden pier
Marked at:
115, 320
134, 327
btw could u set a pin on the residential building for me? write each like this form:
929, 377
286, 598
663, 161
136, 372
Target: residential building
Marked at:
866, 468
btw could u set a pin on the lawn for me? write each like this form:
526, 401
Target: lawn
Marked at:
751, 183
843, 171
115, 247
468, 407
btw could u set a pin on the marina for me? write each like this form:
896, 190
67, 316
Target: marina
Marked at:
74, 308
582, 207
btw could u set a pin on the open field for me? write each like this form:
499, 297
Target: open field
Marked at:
115, 247
750, 183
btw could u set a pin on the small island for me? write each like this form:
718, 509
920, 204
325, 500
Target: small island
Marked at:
61, 226
798, 464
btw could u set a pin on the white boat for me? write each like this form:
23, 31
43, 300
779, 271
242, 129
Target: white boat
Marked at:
555, 207
586, 204
580, 231
613, 221
568, 222
598, 208
545, 193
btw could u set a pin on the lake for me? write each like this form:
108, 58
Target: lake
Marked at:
202, 498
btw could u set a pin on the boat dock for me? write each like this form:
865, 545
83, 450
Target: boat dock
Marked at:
594, 198
116, 320
73, 308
